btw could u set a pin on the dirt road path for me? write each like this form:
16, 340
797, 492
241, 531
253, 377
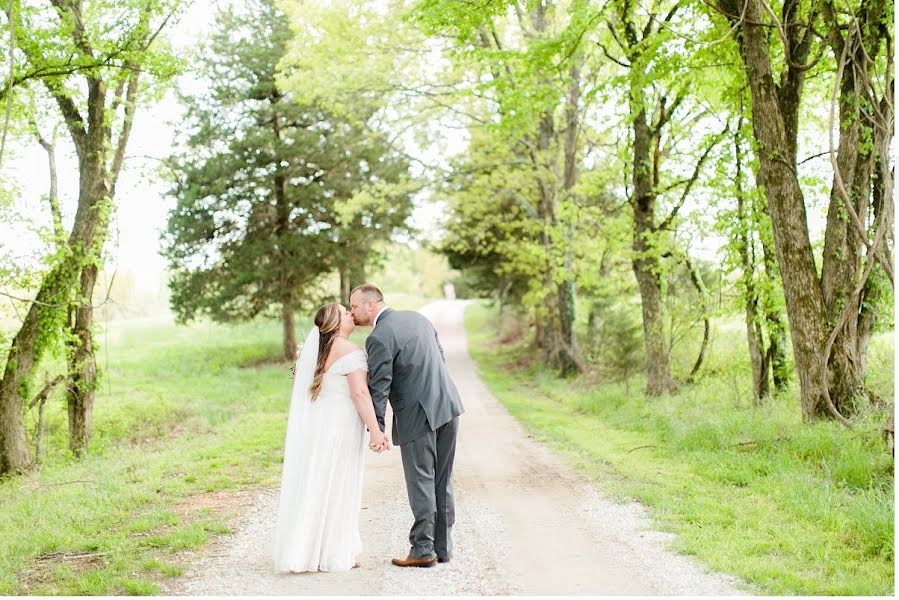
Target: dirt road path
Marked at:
525, 523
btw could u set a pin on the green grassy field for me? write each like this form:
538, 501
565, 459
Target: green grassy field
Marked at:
182, 412
791, 508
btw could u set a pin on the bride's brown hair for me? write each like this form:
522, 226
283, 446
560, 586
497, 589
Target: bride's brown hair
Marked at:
328, 321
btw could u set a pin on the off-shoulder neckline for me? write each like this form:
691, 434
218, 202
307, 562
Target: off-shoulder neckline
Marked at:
337, 360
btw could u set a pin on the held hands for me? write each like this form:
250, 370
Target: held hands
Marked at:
378, 441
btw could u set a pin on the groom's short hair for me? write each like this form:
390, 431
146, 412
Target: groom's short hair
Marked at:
371, 291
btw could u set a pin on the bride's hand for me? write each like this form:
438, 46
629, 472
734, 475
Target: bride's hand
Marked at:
378, 441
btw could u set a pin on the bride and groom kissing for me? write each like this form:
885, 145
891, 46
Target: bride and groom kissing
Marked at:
339, 392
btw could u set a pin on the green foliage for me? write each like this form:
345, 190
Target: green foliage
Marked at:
519, 224
544, 193
411, 271
349, 56
489, 233
187, 410
620, 339
791, 508
89, 59
273, 194
115, 31
880, 298
160, 439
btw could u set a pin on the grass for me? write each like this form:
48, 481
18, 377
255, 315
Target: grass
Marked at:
789, 507
179, 416
182, 411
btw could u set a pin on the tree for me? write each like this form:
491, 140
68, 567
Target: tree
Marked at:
621, 341
749, 251
272, 194
658, 95
94, 73
372, 206
530, 72
487, 231
818, 307
861, 41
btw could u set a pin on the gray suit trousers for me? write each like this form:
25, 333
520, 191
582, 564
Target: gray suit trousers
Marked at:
428, 467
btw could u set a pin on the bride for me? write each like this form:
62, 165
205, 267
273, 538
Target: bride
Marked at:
321, 484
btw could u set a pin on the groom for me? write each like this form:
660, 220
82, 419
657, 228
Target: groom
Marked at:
406, 366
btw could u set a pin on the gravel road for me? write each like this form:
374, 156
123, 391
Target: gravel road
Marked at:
526, 523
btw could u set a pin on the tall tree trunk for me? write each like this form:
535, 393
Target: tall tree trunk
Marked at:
82, 366
645, 260
357, 275
757, 358
597, 305
754, 338
352, 273
776, 354
288, 324
882, 207
82, 369
554, 331
777, 174
560, 348
504, 297
345, 287
644, 177
550, 322
539, 331
47, 314
74, 276
696, 279
843, 252
658, 376
81, 363
98, 176
569, 360
843, 243
282, 231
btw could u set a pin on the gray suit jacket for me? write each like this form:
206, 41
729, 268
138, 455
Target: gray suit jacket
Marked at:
406, 366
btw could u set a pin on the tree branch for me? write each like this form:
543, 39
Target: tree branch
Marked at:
700, 289
74, 120
11, 16
53, 197
73, 8
612, 58
858, 227
691, 181
666, 114
48, 387
130, 97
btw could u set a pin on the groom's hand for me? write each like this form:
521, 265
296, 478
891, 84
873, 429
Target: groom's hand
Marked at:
378, 442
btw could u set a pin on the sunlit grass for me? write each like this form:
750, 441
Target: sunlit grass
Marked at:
180, 411
791, 508
184, 410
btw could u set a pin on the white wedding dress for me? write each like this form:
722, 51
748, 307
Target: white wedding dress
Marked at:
321, 484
